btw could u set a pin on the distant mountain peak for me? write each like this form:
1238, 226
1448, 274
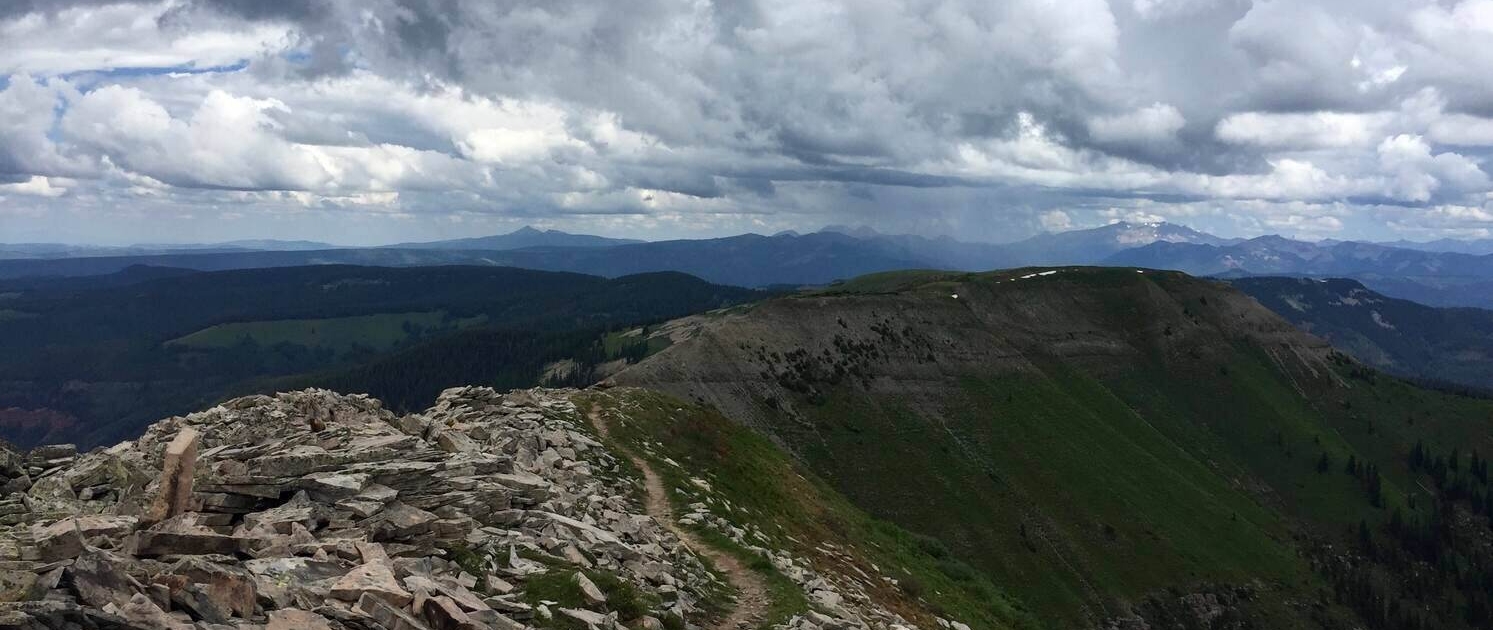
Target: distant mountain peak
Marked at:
857, 231
1274, 239
524, 237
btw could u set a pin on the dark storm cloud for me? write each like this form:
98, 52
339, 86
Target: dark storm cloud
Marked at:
15, 8
305, 11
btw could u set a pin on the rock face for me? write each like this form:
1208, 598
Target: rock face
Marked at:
315, 510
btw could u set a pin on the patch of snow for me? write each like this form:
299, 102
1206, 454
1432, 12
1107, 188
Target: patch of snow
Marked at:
1379, 319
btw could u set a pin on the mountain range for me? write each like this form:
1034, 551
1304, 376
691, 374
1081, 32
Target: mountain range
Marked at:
59, 250
1431, 273
1480, 246
1436, 278
521, 238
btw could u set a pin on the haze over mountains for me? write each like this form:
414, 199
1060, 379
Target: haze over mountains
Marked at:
1441, 273
1454, 345
61, 250
521, 238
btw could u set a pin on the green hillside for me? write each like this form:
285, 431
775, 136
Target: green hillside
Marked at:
1108, 444
380, 332
765, 490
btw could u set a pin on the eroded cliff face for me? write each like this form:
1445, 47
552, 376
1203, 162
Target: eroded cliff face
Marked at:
917, 339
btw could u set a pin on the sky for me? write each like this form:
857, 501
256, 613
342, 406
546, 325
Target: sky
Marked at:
375, 121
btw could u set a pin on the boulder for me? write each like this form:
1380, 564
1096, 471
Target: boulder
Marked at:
284, 581
194, 600
230, 588
455, 442
141, 612
589, 591
300, 509
372, 579
99, 579
590, 618
399, 521
150, 544
391, 617
64, 539
442, 613
293, 619
179, 464
328, 487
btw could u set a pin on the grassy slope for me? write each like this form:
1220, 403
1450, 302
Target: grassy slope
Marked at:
1084, 483
800, 513
1054, 487
379, 332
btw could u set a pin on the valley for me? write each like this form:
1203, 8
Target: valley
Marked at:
94, 363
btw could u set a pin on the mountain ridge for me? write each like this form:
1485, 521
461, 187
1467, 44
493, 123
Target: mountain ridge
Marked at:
1398, 336
1098, 440
522, 238
839, 253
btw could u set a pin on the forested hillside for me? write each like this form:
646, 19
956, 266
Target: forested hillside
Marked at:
93, 360
1435, 344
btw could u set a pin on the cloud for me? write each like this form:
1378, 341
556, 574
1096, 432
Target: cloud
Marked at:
1417, 175
27, 112
966, 117
1166, 9
1316, 130
94, 36
1462, 130
1055, 221
1158, 122
36, 186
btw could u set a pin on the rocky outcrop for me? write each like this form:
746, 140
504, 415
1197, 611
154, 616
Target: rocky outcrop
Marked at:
313, 510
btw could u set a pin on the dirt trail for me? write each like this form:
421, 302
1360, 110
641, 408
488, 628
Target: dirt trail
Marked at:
751, 592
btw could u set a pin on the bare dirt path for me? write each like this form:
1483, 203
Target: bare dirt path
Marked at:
751, 592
